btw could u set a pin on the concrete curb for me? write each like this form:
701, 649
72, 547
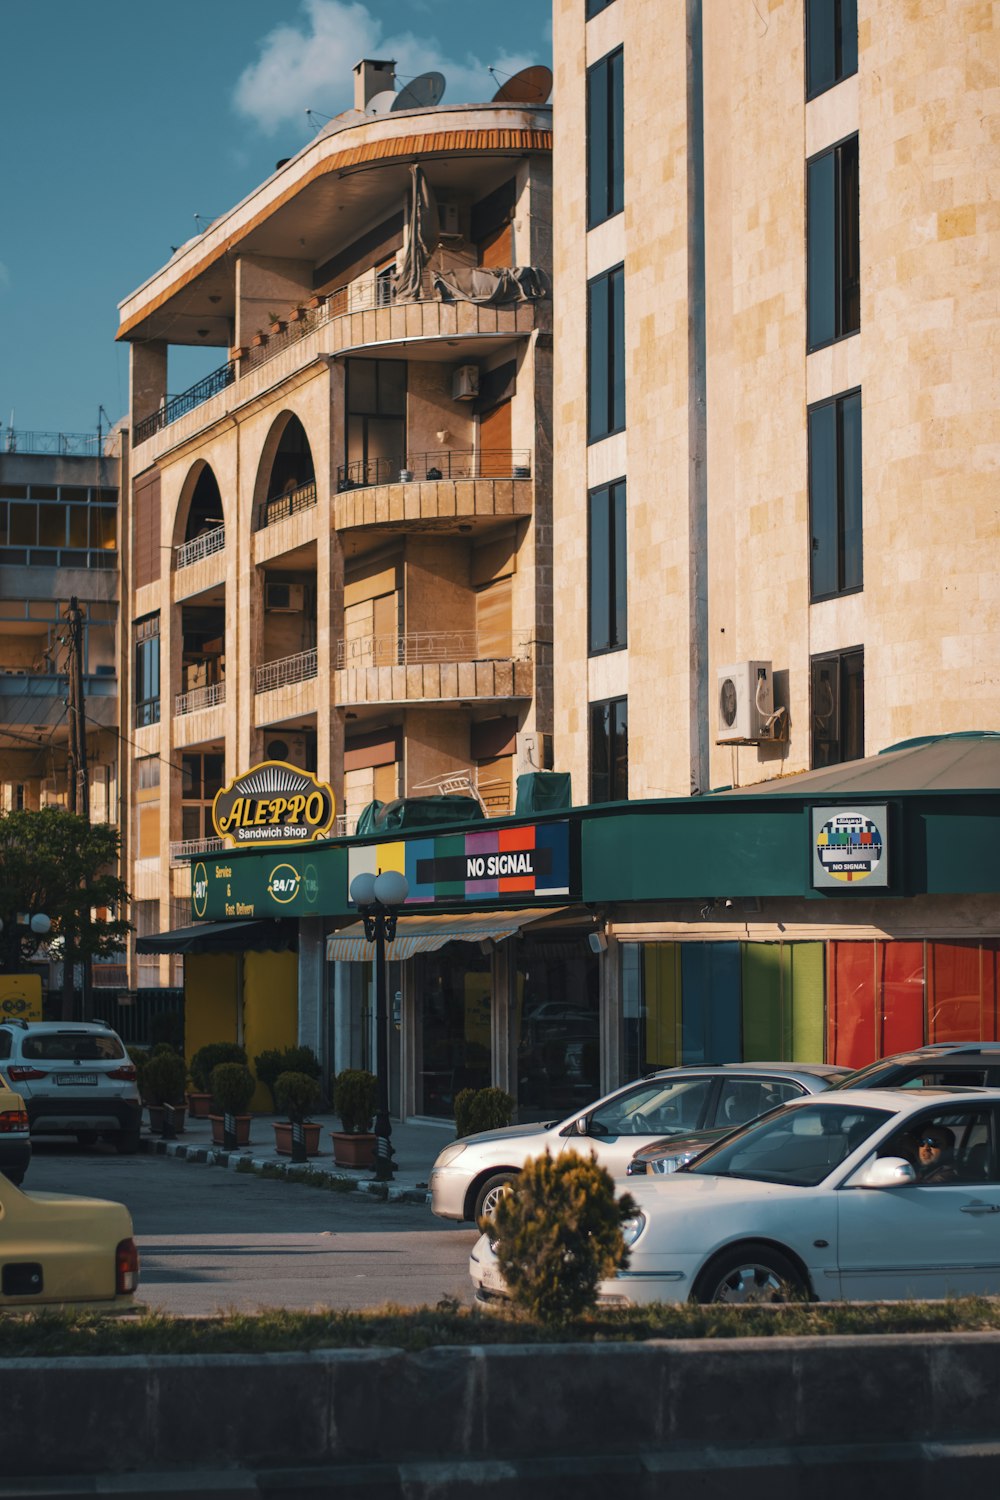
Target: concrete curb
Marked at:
233, 1161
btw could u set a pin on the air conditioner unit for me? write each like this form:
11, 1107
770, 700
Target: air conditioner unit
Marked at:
465, 383
533, 751
448, 221
285, 598
745, 704
286, 747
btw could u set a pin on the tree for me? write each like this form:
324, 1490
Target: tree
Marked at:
57, 864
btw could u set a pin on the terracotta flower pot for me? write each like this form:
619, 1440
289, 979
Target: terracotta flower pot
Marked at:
198, 1104
283, 1137
242, 1123
157, 1113
353, 1150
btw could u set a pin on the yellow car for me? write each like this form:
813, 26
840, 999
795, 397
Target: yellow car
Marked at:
15, 1139
56, 1249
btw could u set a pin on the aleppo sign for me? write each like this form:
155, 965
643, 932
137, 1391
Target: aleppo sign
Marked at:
273, 803
850, 847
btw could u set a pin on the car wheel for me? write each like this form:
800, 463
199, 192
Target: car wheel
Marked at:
126, 1142
86, 1137
490, 1194
750, 1273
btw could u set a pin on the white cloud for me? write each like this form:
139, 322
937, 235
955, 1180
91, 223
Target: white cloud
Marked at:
310, 67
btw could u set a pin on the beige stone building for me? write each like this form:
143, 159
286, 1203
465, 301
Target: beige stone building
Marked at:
779, 223
340, 541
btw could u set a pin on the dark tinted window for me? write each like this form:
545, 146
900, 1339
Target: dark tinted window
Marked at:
834, 281
609, 750
606, 354
4, 1044
67, 1046
835, 496
594, 6
838, 707
607, 568
605, 131
831, 43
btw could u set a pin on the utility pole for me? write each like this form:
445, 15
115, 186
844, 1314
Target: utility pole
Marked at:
78, 798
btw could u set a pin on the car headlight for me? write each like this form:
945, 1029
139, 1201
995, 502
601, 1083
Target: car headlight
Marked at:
632, 1227
449, 1153
671, 1163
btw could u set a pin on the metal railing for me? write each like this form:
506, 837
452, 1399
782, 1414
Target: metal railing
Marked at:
188, 848
73, 444
456, 463
204, 545
203, 697
292, 331
418, 646
275, 674
105, 976
280, 506
178, 406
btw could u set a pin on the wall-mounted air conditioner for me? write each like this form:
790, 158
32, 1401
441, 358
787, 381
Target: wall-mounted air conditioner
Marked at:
285, 598
465, 383
287, 747
745, 704
448, 221
533, 752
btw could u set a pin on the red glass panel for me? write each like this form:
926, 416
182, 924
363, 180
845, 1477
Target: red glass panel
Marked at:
851, 1030
901, 995
956, 1011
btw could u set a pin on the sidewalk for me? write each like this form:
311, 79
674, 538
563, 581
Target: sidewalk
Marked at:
416, 1146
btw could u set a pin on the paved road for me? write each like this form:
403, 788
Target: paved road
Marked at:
211, 1239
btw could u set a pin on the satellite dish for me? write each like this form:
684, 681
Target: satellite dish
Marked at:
421, 92
381, 104
530, 86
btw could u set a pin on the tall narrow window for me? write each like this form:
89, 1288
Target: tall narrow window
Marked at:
376, 421
147, 671
838, 707
607, 563
835, 497
831, 43
605, 135
609, 750
606, 354
834, 278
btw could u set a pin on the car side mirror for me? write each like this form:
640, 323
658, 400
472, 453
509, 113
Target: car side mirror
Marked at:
886, 1172
582, 1125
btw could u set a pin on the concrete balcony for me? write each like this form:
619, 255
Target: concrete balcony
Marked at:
435, 491
285, 689
200, 564
199, 715
430, 667
185, 849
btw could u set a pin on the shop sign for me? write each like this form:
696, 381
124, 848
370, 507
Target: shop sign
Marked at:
273, 803
289, 883
850, 847
502, 864
20, 997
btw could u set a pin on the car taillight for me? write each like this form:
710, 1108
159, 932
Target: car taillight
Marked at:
13, 1119
126, 1071
126, 1267
20, 1073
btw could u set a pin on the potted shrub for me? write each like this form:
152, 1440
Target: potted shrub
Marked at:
271, 1064
199, 1097
355, 1093
233, 1087
482, 1109
296, 1095
163, 1079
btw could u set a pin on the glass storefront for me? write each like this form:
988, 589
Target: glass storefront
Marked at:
453, 1031
557, 1026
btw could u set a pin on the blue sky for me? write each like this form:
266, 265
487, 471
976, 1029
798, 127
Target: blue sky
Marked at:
124, 119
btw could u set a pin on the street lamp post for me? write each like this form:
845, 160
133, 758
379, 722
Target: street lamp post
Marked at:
377, 897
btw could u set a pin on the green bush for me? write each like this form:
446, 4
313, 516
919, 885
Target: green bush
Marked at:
558, 1232
482, 1109
296, 1095
138, 1057
209, 1057
355, 1094
233, 1086
163, 1078
271, 1064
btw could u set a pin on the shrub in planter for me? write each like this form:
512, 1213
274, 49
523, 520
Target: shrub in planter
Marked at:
482, 1109
355, 1094
163, 1078
296, 1095
209, 1057
233, 1086
271, 1064
558, 1232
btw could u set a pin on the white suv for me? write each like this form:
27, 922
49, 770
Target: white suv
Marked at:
75, 1078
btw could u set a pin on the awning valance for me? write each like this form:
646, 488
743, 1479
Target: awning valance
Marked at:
426, 934
222, 937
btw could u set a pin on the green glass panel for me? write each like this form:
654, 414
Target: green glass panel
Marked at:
806, 964
763, 1029
662, 985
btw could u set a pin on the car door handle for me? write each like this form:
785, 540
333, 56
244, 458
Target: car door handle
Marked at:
981, 1208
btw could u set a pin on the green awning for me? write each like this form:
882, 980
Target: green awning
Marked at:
222, 937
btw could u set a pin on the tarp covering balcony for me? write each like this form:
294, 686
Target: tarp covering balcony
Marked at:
421, 233
427, 934
491, 285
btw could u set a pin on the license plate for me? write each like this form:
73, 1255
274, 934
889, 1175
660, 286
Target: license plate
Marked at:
76, 1078
491, 1278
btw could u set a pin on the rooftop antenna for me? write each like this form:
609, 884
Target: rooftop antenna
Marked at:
531, 86
204, 222
323, 119
422, 92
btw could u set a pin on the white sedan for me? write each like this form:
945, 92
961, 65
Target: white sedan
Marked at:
861, 1196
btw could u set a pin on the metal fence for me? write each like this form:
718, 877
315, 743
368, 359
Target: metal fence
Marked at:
455, 463
185, 849
280, 506
178, 406
71, 444
199, 547
419, 646
275, 674
203, 697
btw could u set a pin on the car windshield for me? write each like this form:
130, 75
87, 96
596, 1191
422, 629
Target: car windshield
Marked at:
798, 1145
70, 1046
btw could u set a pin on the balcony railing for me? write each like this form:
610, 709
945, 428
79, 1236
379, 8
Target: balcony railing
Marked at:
288, 504
460, 463
73, 444
203, 697
275, 674
178, 406
200, 547
190, 848
427, 646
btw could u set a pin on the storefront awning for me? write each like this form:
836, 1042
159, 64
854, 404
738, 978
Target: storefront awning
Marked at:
426, 934
221, 937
